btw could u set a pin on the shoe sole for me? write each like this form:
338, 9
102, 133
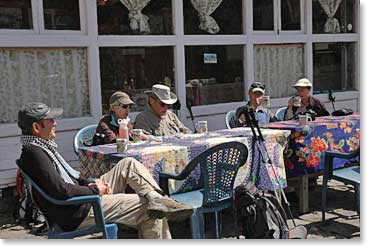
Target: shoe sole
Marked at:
179, 215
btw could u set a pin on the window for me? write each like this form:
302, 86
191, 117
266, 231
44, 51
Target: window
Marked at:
278, 66
263, 14
134, 70
55, 76
16, 14
135, 17
213, 17
334, 66
61, 15
214, 74
277, 15
290, 15
333, 16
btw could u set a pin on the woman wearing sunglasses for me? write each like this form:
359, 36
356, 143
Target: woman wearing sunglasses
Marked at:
108, 128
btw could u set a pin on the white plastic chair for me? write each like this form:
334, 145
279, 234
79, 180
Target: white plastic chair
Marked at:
280, 113
84, 136
230, 119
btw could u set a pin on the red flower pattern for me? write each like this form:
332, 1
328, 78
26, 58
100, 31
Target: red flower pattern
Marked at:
313, 161
318, 145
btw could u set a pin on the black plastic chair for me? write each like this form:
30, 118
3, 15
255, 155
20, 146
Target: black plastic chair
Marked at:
348, 175
219, 166
55, 232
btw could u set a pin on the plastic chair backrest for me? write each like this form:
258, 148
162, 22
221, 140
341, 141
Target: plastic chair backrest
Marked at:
84, 136
280, 113
109, 230
230, 119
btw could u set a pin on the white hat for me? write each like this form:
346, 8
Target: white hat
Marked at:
163, 93
304, 82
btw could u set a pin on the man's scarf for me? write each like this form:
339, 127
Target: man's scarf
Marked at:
50, 146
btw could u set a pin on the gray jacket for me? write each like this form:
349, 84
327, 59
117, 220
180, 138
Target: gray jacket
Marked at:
153, 125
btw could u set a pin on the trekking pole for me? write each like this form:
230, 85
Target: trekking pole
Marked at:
267, 159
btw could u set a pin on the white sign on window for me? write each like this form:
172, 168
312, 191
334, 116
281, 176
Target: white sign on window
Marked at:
210, 58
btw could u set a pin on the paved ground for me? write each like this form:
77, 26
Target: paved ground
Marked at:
342, 221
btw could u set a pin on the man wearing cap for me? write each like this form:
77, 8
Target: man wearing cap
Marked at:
40, 159
263, 115
156, 119
308, 102
108, 128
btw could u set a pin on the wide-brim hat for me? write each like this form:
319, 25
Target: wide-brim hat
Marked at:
163, 93
304, 82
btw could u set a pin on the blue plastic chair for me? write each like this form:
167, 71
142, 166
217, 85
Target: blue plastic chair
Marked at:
348, 175
280, 113
55, 232
219, 166
230, 119
84, 137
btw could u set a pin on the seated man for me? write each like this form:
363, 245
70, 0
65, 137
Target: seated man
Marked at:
108, 128
156, 119
263, 115
308, 102
41, 161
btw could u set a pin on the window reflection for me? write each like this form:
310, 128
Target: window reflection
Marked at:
61, 15
263, 11
16, 14
290, 13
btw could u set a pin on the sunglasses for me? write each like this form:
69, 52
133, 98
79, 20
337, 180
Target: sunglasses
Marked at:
124, 106
257, 85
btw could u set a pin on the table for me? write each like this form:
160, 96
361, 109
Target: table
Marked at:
175, 152
308, 143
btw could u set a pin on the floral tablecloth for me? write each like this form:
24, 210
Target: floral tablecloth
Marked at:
305, 153
175, 152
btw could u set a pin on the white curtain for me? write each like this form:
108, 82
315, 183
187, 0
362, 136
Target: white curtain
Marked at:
330, 7
57, 77
278, 67
138, 21
205, 8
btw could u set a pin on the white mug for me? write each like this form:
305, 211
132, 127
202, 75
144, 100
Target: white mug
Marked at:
297, 101
304, 119
202, 126
266, 101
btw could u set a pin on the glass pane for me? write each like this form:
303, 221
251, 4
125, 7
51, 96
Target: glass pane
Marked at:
134, 70
55, 76
227, 16
61, 15
151, 17
341, 22
263, 15
291, 15
214, 74
16, 14
278, 66
334, 66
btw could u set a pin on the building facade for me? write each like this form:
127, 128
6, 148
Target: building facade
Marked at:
75, 53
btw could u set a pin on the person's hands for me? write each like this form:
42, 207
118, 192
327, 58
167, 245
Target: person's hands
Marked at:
290, 103
144, 137
103, 188
242, 119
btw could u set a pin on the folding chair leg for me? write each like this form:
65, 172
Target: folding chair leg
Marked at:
218, 225
324, 191
357, 197
111, 231
197, 225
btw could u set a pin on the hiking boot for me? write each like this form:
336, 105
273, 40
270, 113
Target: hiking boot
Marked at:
165, 207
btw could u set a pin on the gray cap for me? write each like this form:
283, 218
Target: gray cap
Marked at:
121, 97
34, 112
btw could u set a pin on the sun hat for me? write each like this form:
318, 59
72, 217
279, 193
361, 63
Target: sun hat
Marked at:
163, 93
304, 82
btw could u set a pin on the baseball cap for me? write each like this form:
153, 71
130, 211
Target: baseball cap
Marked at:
34, 112
121, 97
257, 86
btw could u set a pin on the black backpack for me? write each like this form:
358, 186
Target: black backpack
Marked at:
25, 210
259, 215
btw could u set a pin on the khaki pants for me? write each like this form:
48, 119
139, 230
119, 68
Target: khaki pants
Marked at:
130, 209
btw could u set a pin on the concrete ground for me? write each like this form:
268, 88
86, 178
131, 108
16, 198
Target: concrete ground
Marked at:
342, 222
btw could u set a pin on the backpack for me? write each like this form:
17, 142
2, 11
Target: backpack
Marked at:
25, 210
259, 215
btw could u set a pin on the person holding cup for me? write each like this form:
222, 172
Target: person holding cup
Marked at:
263, 114
303, 101
108, 127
